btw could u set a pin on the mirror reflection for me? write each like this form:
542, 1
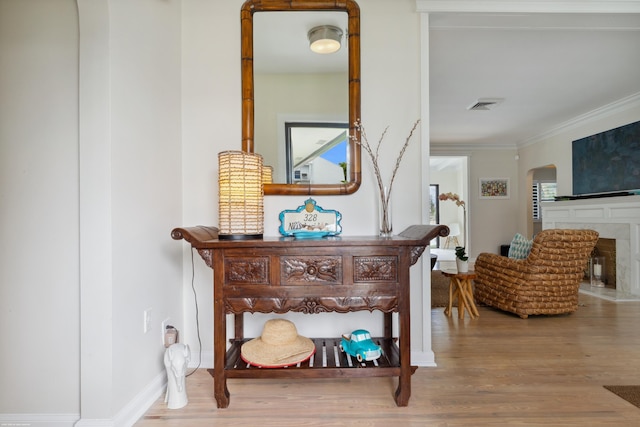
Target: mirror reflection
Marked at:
301, 98
294, 85
317, 152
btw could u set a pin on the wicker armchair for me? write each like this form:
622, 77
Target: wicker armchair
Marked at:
546, 282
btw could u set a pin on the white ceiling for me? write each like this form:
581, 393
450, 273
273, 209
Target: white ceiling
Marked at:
549, 69
280, 42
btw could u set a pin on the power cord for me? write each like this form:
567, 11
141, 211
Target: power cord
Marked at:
195, 296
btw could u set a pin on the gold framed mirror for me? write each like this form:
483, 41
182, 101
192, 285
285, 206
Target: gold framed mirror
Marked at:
352, 166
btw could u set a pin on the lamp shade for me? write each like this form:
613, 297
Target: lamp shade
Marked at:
325, 39
267, 174
241, 196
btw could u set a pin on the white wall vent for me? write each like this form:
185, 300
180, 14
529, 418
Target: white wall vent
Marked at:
484, 104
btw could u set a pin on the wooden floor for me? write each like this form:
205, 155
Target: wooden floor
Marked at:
497, 369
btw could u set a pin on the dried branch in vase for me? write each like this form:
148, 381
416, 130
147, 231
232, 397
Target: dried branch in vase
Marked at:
374, 156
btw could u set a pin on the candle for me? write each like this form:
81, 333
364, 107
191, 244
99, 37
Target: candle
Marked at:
597, 270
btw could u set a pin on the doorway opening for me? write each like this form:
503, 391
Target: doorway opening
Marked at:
449, 174
542, 189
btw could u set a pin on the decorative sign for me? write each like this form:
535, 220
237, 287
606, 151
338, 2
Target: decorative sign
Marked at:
310, 221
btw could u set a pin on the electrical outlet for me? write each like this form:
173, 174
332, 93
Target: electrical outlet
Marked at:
163, 328
146, 327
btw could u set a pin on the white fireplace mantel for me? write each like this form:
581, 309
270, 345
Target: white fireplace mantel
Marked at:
613, 218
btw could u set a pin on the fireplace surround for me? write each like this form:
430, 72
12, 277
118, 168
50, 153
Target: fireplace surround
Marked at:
613, 218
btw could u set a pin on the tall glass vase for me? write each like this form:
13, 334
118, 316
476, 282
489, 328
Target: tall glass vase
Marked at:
384, 211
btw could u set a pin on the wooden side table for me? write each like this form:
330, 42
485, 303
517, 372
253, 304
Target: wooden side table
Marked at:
333, 274
460, 287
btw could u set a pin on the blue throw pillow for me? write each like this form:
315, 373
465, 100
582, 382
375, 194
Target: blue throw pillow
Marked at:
520, 247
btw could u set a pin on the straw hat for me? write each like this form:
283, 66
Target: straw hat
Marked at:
280, 345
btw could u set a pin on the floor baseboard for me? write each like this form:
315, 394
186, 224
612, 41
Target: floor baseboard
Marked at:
137, 407
39, 420
134, 410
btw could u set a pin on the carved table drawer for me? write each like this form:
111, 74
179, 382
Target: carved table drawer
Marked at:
381, 268
306, 270
250, 269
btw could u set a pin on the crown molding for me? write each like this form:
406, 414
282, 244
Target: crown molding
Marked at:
619, 106
443, 148
529, 6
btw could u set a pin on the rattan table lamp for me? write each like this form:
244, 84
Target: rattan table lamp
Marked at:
241, 195
267, 174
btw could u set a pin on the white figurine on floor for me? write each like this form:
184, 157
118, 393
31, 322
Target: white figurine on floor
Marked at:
176, 358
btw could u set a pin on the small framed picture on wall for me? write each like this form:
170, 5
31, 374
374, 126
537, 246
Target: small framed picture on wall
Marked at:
494, 188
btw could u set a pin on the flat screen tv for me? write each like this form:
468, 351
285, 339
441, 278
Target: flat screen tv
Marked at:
607, 162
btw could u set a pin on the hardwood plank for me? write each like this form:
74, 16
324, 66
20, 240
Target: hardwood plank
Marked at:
498, 368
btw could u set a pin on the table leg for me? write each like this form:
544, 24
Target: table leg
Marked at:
465, 291
388, 325
447, 310
462, 302
471, 305
474, 308
220, 390
238, 325
403, 392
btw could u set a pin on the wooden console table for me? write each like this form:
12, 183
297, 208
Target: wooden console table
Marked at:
334, 274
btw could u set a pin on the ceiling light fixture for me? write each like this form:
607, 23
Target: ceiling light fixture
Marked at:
324, 39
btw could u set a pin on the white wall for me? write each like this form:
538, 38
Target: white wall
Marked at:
159, 98
555, 147
130, 180
130, 199
39, 247
212, 106
146, 185
90, 154
491, 222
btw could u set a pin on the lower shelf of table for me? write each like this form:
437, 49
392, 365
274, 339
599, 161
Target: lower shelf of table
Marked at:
327, 362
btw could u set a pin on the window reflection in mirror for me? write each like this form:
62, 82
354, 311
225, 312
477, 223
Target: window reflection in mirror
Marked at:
317, 153
290, 81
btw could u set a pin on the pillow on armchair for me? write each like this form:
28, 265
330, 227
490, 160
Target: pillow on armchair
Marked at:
520, 247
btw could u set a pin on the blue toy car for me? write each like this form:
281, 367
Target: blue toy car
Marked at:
360, 345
